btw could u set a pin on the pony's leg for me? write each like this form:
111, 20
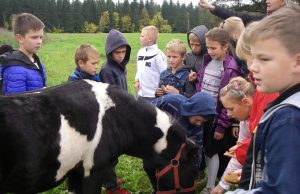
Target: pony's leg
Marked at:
93, 183
150, 170
75, 182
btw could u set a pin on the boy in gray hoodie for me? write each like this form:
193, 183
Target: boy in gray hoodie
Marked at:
196, 41
114, 72
117, 50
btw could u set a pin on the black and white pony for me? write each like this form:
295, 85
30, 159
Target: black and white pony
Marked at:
75, 130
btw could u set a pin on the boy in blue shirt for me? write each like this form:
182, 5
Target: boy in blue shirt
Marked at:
22, 70
175, 78
87, 61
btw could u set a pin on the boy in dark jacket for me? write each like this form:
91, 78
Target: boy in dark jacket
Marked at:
117, 52
196, 41
114, 72
87, 62
22, 70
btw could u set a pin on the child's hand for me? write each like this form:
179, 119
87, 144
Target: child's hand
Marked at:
218, 136
204, 4
136, 86
160, 91
170, 89
231, 152
192, 76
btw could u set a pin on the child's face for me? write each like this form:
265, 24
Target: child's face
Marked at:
239, 110
118, 55
274, 68
91, 65
215, 49
31, 42
174, 59
274, 5
195, 46
197, 120
144, 39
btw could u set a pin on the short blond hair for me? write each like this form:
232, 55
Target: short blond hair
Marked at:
243, 44
24, 22
233, 25
282, 25
83, 52
177, 46
151, 32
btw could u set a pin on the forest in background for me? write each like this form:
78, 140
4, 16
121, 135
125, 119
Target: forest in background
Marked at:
89, 16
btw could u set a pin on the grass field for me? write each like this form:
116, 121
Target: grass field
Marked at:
57, 54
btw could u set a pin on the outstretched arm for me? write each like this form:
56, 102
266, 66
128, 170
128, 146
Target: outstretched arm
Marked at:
225, 13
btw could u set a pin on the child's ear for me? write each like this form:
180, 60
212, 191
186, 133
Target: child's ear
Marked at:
298, 60
235, 36
80, 63
226, 47
19, 38
245, 101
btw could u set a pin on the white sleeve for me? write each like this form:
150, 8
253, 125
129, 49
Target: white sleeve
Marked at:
138, 68
161, 62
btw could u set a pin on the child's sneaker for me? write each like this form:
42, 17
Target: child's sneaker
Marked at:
118, 190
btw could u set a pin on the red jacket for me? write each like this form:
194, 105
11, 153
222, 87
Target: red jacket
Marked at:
260, 101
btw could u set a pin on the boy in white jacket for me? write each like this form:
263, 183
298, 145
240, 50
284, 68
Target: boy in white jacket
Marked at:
151, 61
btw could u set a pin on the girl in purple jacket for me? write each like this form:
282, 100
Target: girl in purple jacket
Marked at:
217, 69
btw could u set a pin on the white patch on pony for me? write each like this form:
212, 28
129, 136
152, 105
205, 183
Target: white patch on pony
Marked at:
162, 122
74, 146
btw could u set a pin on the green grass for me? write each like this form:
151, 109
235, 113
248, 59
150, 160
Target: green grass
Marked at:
57, 54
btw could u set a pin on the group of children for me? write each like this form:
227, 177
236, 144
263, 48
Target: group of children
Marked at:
218, 91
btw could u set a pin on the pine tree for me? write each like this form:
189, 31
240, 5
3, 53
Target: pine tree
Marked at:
104, 22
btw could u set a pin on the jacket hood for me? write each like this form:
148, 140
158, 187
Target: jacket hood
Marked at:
17, 58
114, 40
200, 103
200, 32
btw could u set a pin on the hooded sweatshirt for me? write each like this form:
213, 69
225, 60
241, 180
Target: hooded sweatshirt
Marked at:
111, 71
194, 60
200, 104
20, 74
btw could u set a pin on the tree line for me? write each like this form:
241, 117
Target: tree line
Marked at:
75, 16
